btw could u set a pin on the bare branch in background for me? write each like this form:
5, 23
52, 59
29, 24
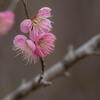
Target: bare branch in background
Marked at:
26, 8
56, 70
13, 5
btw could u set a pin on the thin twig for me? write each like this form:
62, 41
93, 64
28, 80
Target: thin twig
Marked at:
13, 5
43, 66
41, 59
56, 70
25, 8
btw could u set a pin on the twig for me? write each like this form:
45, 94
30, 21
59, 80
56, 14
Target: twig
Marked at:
56, 70
42, 80
25, 8
13, 5
41, 59
43, 66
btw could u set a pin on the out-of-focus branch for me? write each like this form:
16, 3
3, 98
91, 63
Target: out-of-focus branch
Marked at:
13, 5
56, 70
25, 8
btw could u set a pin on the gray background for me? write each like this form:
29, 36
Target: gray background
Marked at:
75, 21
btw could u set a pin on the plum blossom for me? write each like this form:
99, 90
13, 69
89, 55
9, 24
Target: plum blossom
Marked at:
6, 21
32, 50
40, 41
39, 23
25, 47
44, 44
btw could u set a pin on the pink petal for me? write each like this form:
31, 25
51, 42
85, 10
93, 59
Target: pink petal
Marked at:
2, 15
6, 21
27, 47
31, 45
25, 25
20, 41
10, 14
44, 44
46, 25
44, 12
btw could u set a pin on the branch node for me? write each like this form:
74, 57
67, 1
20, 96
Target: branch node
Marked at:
45, 83
70, 53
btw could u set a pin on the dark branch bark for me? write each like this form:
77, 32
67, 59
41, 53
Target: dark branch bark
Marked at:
26, 8
56, 70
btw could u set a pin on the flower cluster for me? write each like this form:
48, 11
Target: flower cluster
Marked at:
6, 21
40, 42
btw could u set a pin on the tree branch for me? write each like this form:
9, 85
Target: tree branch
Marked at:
56, 70
13, 5
25, 8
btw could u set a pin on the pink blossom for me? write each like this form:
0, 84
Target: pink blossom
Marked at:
39, 23
32, 50
6, 21
41, 41
25, 47
44, 44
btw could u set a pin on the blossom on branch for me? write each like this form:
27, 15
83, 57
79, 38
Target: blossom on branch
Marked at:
25, 47
32, 50
39, 23
6, 21
40, 41
44, 44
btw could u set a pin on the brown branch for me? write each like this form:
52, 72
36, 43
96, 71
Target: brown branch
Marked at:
42, 69
13, 5
42, 64
25, 8
56, 70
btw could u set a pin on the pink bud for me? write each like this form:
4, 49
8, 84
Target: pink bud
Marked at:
6, 21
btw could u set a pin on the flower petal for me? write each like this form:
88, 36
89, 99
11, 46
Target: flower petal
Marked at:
44, 12
25, 25
25, 47
45, 44
31, 45
6, 21
20, 42
10, 14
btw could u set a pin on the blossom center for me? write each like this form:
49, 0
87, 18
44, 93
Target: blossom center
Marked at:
36, 21
42, 44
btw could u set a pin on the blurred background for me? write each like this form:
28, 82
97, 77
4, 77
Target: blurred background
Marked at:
75, 21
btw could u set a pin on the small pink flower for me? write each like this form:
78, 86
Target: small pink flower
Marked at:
32, 50
39, 23
25, 47
41, 41
44, 44
6, 21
